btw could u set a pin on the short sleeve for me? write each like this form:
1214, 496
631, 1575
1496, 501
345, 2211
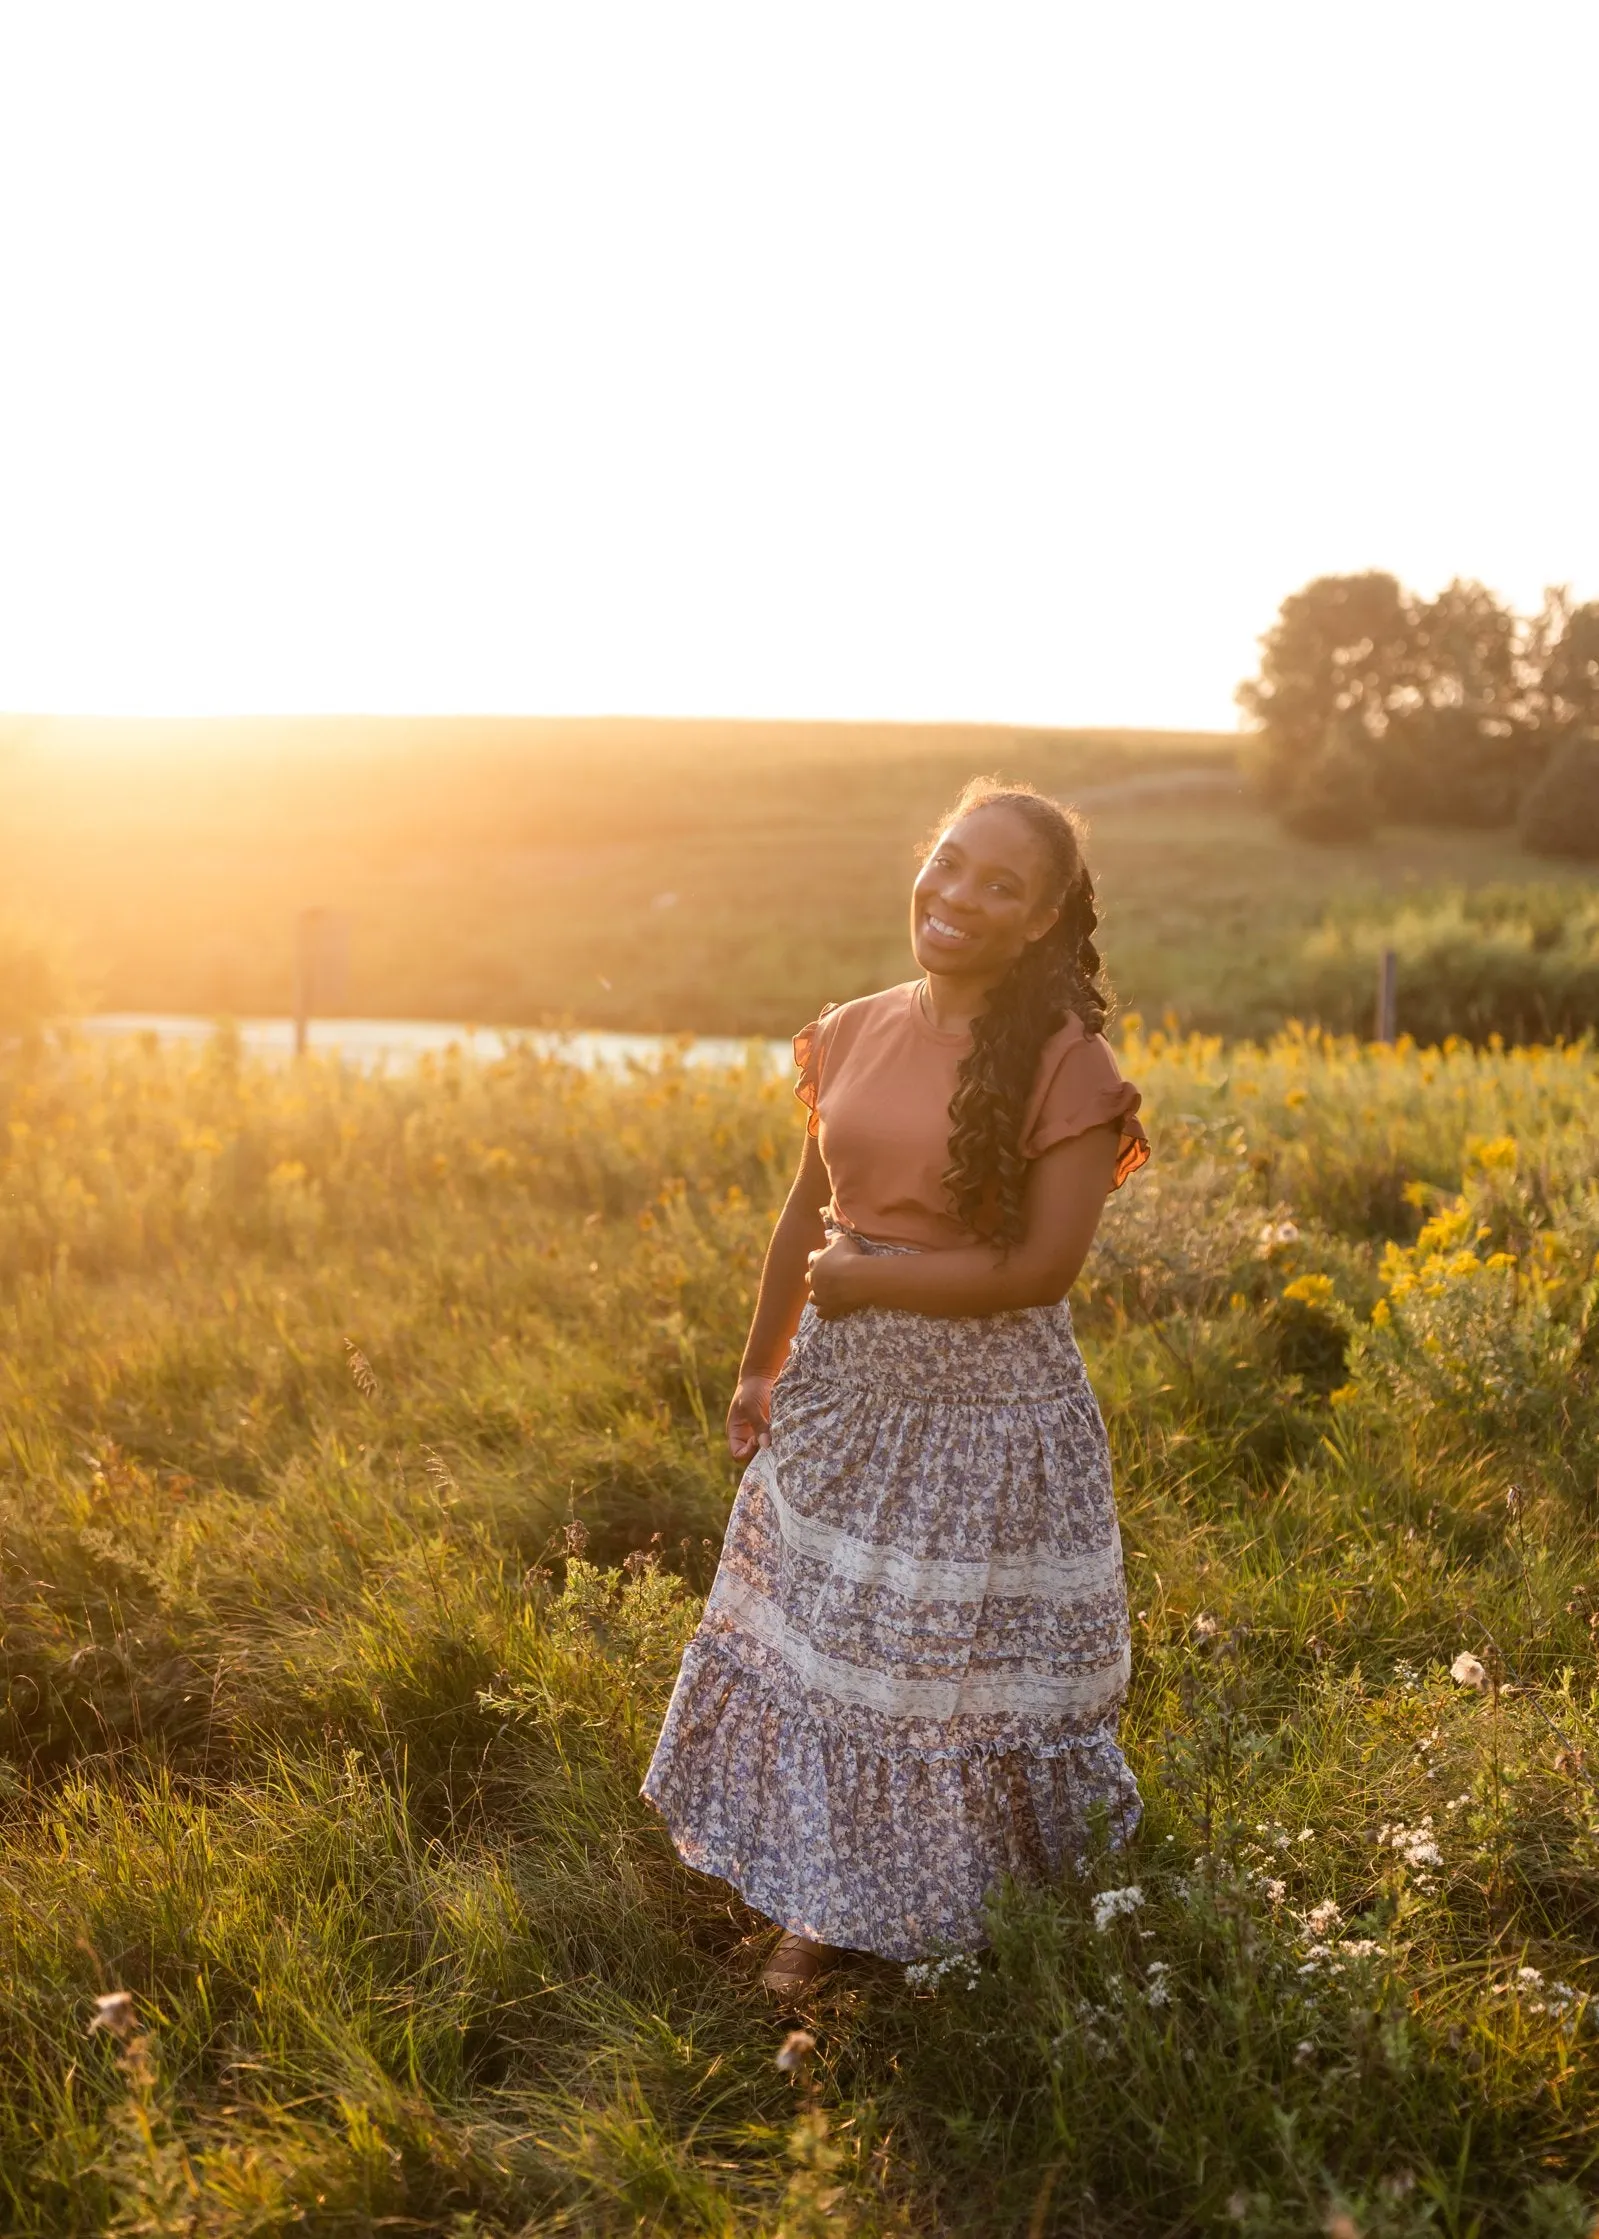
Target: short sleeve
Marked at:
1079, 1086
810, 1048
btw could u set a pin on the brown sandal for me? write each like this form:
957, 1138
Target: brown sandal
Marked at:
794, 1965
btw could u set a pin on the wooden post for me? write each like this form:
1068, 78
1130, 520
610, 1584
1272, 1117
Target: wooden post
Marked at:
1387, 996
321, 967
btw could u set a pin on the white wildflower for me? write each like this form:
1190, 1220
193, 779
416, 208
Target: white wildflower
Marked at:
1111, 1904
114, 2012
1324, 1916
1276, 1891
959, 1969
1158, 1989
1467, 1671
1415, 1845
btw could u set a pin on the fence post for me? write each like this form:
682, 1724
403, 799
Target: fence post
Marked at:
1387, 996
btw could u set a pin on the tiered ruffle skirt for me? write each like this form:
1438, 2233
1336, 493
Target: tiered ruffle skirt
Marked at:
906, 1681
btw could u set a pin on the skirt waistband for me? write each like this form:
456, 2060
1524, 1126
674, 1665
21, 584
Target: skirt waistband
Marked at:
1029, 1354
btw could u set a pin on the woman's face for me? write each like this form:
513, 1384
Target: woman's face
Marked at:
981, 896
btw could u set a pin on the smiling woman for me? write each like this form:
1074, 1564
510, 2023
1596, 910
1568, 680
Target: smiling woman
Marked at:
907, 1678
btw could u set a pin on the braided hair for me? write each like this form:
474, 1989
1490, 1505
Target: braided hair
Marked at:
1055, 976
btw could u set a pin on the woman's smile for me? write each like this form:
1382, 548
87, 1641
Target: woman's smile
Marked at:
942, 930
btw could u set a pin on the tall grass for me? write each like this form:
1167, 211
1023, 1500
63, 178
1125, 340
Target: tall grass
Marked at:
327, 1696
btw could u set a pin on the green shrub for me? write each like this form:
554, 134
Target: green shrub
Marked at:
1445, 766
1560, 815
1520, 964
1333, 797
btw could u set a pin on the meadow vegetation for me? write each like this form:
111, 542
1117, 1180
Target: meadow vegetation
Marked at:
361, 1466
709, 878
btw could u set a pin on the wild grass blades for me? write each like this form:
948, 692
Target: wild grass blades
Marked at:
324, 1711
361, 1371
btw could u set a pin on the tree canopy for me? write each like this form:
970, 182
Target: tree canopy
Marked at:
1455, 704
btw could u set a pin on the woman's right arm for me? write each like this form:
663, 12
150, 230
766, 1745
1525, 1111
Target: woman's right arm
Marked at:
780, 1302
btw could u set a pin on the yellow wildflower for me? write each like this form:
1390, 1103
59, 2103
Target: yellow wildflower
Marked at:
1493, 1151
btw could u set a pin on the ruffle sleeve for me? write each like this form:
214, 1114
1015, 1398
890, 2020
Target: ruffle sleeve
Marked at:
1079, 1086
810, 1049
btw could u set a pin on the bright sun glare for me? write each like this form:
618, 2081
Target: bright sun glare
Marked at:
1006, 362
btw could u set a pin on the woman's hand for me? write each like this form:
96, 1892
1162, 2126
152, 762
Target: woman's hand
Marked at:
749, 1419
832, 1276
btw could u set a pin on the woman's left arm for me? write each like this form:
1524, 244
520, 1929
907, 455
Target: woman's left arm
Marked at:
1066, 1192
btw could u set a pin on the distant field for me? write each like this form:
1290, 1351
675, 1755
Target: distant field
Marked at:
719, 878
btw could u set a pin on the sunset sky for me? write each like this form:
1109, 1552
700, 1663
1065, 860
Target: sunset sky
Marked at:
996, 361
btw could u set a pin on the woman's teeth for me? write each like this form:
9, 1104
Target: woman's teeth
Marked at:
950, 932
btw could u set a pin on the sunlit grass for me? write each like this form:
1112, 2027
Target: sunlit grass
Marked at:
325, 1707
715, 878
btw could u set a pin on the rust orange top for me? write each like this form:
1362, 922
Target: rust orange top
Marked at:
878, 1076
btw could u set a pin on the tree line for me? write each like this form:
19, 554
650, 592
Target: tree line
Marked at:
1374, 705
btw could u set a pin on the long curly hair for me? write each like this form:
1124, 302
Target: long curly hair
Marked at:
1054, 976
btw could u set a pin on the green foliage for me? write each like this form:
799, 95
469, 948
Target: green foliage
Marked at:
326, 1699
1453, 704
1519, 963
1341, 647
1560, 815
1331, 795
1450, 765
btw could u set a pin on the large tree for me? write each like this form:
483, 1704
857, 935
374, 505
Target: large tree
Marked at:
1341, 647
1444, 695
1458, 748
1562, 660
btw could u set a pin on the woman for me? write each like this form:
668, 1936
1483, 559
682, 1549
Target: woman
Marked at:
906, 1681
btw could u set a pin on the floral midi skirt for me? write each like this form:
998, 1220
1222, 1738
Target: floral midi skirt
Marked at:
906, 1680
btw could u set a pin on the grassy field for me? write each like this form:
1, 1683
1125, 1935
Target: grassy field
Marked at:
715, 878
327, 1693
